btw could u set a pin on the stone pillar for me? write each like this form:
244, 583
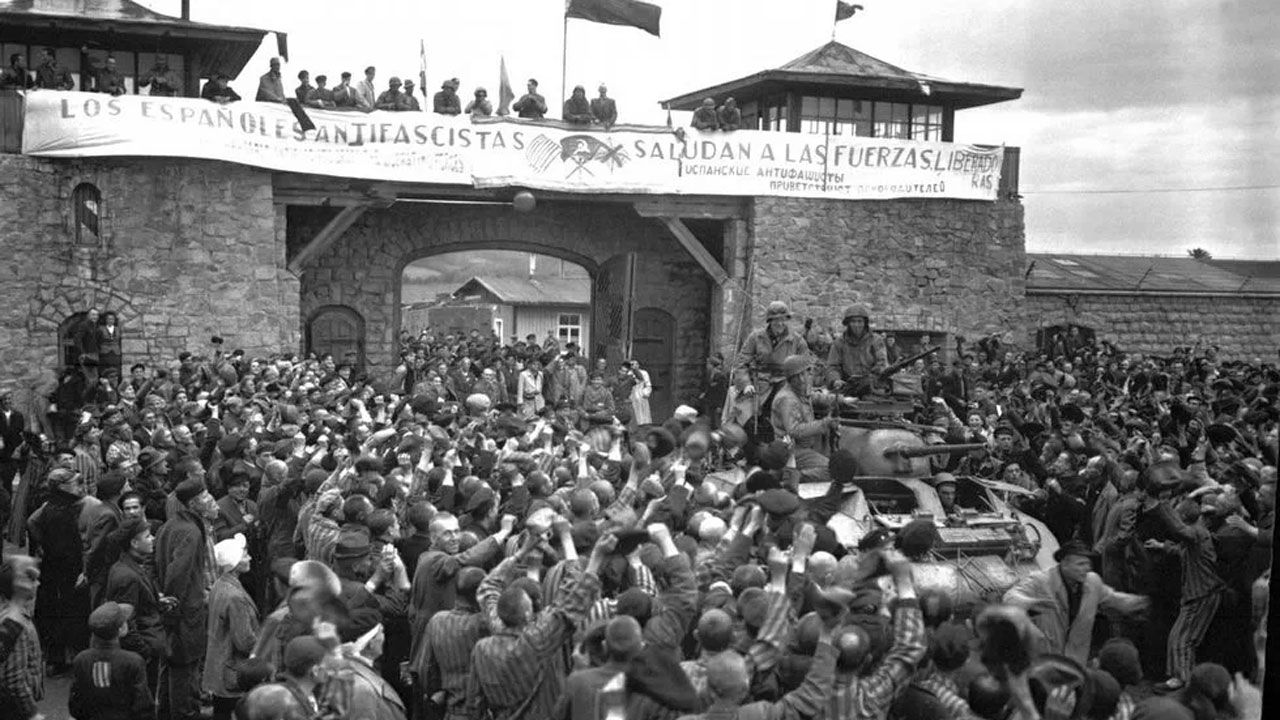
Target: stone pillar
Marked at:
729, 301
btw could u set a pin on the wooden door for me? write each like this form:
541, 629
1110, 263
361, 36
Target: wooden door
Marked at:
339, 331
653, 345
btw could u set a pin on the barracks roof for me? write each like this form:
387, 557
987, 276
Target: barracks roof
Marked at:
1054, 272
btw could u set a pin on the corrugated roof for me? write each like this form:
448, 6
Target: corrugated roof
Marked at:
99, 9
531, 291
1148, 273
841, 66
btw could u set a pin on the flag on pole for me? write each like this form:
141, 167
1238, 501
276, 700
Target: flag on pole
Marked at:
422, 66
505, 93
845, 10
632, 13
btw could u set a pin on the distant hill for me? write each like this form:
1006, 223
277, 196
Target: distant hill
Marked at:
425, 279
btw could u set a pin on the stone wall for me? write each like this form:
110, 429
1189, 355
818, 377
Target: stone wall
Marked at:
1243, 327
186, 249
943, 266
362, 270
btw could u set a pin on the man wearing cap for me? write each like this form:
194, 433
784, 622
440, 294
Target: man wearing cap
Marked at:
792, 414
186, 570
1063, 601
109, 683
760, 363
54, 536
390, 99
100, 521
129, 582
408, 101
271, 84
446, 101
857, 355
945, 485
233, 626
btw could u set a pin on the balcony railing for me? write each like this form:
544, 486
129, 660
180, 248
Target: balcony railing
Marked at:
10, 121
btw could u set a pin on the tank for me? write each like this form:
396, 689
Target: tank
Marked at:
985, 547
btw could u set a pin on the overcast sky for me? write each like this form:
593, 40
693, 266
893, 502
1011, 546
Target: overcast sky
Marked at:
1127, 95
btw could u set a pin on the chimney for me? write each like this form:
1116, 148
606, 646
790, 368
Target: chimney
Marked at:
186, 9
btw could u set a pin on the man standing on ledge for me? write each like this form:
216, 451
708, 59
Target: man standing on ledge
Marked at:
531, 105
271, 85
604, 108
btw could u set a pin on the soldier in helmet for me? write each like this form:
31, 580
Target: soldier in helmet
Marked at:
792, 412
760, 365
857, 355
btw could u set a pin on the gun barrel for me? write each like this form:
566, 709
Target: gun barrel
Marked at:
913, 452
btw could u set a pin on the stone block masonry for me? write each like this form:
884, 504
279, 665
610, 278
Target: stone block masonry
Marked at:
942, 266
185, 250
1243, 327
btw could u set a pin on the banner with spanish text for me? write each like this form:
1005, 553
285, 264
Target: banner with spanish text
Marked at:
497, 152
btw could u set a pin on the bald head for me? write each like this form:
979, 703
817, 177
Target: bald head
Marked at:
272, 701
715, 631
854, 647
822, 565
623, 638
711, 530
727, 677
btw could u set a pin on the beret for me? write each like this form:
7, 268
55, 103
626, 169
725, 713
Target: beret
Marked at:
188, 489
779, 502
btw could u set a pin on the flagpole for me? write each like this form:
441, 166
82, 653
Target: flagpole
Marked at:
564, 61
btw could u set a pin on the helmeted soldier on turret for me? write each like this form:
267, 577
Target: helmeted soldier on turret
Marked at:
858, 355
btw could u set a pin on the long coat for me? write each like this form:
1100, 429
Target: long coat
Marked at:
128, 582
182, 561
1043, 594
233, 631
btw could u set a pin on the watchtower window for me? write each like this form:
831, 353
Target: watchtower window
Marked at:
86, 204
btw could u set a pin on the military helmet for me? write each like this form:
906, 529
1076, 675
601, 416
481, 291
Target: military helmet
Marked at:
795, 365
855, 311
777, 309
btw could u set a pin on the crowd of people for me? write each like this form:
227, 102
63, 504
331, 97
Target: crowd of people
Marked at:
364, 95
494, 530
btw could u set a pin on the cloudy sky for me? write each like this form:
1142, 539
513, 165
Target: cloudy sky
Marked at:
1146, 126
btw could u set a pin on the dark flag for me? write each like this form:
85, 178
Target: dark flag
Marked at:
633, 13
299, 114
845, 10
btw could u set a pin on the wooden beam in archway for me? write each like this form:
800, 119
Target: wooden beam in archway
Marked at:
695, 248
327, 236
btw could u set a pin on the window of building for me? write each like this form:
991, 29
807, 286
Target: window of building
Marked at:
926, 122
497, 328
86, 204
750, 115
569, 328
773, 114
892, 120
835, 116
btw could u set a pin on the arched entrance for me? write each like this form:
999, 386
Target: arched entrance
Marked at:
653, 346
68, 344
337, 330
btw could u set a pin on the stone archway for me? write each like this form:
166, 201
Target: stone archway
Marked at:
363, 268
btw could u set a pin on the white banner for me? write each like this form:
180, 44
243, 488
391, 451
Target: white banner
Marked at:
495, 152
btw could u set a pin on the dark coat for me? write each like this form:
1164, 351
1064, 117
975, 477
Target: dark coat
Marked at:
109, 683
182, 560
128, 582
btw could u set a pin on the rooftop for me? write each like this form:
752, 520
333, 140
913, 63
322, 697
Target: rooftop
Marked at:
1150, 273
839, 66
127, 25
530, 291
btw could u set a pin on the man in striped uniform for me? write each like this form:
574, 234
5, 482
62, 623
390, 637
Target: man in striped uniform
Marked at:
864, 689
1201, 586
445, 655
519, 673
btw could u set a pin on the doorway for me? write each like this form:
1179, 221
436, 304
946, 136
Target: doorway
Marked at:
653, 345
337, 330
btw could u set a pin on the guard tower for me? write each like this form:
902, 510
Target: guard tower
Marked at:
837, 90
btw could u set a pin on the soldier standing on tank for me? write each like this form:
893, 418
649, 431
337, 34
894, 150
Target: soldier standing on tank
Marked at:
759, 368
857, 355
